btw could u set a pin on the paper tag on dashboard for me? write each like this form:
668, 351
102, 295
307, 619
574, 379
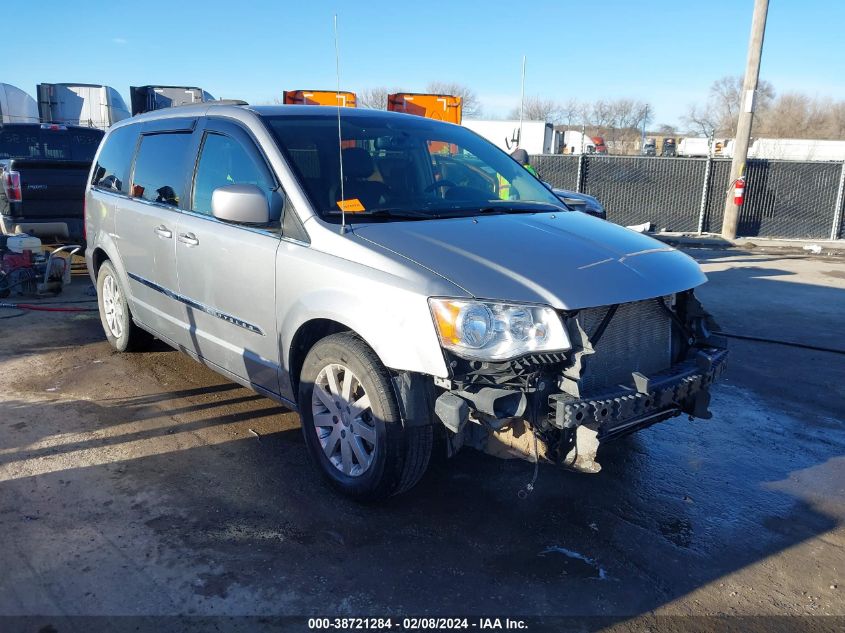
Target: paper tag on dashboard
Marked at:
353, 205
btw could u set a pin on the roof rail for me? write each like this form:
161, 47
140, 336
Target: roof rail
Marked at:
225, 102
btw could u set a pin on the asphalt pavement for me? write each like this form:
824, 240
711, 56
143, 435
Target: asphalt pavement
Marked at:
145, 484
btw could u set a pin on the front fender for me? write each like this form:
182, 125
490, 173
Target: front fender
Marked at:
398, 328
388, 310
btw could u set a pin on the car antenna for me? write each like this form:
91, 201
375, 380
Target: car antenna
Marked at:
339, 135
521, 104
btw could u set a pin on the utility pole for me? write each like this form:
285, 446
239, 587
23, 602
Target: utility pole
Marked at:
746, 113
642, 135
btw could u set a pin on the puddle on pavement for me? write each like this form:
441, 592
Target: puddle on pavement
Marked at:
677, 531
550, 563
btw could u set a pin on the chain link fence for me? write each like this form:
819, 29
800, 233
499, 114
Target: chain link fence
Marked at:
559, 170
784, 199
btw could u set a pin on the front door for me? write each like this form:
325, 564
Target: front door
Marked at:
227, 271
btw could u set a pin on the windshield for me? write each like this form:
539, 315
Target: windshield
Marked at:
31, 141
404, 167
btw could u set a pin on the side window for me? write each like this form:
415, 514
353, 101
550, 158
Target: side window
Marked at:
160, 168
112, 170
225, 161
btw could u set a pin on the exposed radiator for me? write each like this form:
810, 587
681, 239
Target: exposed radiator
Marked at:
638, 338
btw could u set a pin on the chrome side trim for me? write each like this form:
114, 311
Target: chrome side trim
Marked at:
197, 305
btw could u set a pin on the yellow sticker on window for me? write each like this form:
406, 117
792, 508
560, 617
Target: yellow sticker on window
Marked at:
353, 205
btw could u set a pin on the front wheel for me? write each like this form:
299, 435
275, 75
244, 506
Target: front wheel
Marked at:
351, 422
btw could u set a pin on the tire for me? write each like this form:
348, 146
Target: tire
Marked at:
115, 315
381, 457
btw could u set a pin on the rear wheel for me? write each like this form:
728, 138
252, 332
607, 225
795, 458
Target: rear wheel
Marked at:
351, 422
121, 332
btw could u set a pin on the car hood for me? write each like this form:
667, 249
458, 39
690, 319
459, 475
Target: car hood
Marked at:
567, 260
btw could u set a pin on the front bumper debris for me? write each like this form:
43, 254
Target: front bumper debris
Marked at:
630, 366
683, 388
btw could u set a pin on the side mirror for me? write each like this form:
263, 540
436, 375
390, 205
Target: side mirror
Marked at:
240, 204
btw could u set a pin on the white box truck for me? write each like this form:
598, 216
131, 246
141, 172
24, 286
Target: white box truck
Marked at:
701, 147
16, 106
536, 137
575, 142
90, 105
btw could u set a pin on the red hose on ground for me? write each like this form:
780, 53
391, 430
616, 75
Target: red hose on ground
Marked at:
30, 306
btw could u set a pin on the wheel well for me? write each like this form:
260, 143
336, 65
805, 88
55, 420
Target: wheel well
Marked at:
305, 338
99, 257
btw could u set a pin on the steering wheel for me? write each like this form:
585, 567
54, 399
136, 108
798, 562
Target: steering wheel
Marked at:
439, 183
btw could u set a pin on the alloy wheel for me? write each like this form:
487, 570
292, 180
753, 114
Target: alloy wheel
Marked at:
113, 307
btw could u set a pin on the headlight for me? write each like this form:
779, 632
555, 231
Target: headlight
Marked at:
484, 330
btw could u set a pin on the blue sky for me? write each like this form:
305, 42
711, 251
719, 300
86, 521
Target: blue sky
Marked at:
665, 52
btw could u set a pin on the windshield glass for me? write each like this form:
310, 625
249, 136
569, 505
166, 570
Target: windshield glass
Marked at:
31, 141
404, 167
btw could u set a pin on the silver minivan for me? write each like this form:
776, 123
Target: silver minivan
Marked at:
394, 279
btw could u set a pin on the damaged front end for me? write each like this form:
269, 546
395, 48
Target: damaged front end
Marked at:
630, 365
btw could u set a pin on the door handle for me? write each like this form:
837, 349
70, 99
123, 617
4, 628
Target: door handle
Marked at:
189, 238
163, 231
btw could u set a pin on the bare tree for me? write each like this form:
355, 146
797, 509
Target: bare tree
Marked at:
374, 98
469, 100
795, 115
718, 116
538, 109
790, 115
700, 121
835, 127
570, 112
617, 121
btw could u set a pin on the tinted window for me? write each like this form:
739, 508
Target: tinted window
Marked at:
224, 161
112, 170
160, 168
31, 141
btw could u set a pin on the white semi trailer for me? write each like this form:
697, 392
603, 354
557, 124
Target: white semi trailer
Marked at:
16, 106
796, 149
89, 105
535, 137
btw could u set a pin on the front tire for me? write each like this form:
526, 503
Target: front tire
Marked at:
351, 422
115, 316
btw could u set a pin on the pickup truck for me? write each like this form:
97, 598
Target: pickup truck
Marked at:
43, 172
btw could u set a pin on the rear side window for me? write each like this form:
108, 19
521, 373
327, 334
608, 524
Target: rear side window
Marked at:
160, 168
224, 161
112, 170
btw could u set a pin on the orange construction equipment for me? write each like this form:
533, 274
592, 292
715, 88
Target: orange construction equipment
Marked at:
321, 97
441, 107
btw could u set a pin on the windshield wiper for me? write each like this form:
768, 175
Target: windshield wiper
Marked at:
408, 214
545, 208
